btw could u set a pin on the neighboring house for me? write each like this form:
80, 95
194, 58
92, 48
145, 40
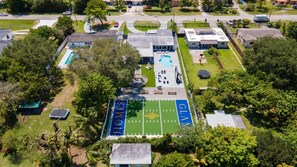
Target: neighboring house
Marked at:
86, 40
5, 38
280, 2
131, 155
219, 118
206, 38
133, 2
152, 40
293, 2
247, 36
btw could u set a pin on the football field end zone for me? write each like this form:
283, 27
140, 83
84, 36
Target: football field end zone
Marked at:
184, 113
117, 127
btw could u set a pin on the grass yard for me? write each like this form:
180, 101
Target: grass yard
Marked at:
269, 8
16, 24
146, 25
251, 25
150, 74
193, 68
177, 11
79, 26
124, 28
228, 60
151, 117
195, 24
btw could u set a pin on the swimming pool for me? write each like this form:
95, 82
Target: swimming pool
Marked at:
166, 60
69, 58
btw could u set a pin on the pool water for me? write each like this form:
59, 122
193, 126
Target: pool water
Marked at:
69, 58
166, 60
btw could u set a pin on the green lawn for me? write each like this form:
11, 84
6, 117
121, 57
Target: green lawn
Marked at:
251, 25
16, 24
228, 60
78, 26
226, 11
150, 74
146, 25
124, 28
268, 8
195, 24
193, 68
151, 117
226, 57
177, 11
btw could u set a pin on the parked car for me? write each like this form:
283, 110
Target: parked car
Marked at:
3, 14
147, 7
294, 6
230, 22
116, 24
66, 13
129, 5
261, 18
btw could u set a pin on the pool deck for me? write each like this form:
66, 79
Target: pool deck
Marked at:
64, 58
167, 79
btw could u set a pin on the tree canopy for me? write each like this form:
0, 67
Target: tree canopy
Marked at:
80, 6
96, 9
292, 30
29, 64
109, 58
48, 33
175, 160
65, 24
93, 91
224, 146
275, 60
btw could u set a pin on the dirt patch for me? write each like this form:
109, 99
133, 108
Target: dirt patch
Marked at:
66, 95
78, 155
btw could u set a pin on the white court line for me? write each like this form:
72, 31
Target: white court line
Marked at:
177, 113
126, 117
142, 117
160, 118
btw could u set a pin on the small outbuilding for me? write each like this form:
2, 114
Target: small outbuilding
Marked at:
132, 154
59, 113
203, 74
219, 118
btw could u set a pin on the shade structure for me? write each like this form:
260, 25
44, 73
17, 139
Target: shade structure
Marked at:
203, 74
58, 113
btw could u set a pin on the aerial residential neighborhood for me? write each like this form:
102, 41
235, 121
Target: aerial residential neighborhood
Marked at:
148, 83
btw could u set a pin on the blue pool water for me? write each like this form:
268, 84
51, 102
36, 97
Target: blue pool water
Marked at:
69, 58
166, 60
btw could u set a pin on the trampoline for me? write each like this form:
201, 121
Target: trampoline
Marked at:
59, 113
203, 74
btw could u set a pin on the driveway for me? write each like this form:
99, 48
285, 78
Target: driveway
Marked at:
48, 23
130, 26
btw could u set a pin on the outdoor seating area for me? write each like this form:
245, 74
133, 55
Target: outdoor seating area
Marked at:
139, 81
58, 113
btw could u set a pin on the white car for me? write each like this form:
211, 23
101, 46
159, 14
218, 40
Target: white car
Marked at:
3, 14
66, 13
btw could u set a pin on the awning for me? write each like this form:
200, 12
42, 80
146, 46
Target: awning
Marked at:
209, 42
30, 105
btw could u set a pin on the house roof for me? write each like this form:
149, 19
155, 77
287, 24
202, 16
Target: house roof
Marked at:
198, 35
219, 118
255, 33
4, 32
85, 37
131, 154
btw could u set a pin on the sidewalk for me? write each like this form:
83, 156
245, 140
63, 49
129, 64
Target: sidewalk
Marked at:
130, 26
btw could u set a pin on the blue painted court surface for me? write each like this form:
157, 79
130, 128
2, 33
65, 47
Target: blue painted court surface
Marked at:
184, 114
118, 118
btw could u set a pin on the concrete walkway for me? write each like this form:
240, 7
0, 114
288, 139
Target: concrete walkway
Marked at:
163, 25
87, 28
130, 26
48, 23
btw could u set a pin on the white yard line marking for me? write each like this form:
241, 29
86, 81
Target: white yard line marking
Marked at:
126, 117
176, 113
142, 117
160, 118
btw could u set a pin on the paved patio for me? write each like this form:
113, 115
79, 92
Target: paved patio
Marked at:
195, 53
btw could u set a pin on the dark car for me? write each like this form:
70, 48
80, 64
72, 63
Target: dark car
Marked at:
129, 5
294, 6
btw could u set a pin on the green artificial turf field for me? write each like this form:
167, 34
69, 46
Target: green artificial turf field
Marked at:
151, 117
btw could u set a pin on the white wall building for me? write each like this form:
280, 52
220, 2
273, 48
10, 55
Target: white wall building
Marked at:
206, 38
219, 118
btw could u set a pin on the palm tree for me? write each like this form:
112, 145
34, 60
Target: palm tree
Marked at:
92, 155
87, 125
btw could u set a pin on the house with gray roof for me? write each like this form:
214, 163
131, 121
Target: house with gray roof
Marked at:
151, 41
219, 118
5, 38
247, 36
132, 154
85, 40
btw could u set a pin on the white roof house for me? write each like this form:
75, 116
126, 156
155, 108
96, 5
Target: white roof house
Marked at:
219, 118
131, 154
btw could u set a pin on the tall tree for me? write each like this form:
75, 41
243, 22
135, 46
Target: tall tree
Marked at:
96, 9
275, 60
18, 6
224, 146
48, 33
93, 91
80, 6
175, 159
260, 3
119, 4
29, 63
109, 58
207, 5
65, 24
292, 30
273, 150
195, 4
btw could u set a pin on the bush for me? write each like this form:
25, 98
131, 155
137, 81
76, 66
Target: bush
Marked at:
250, 7
212, 51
